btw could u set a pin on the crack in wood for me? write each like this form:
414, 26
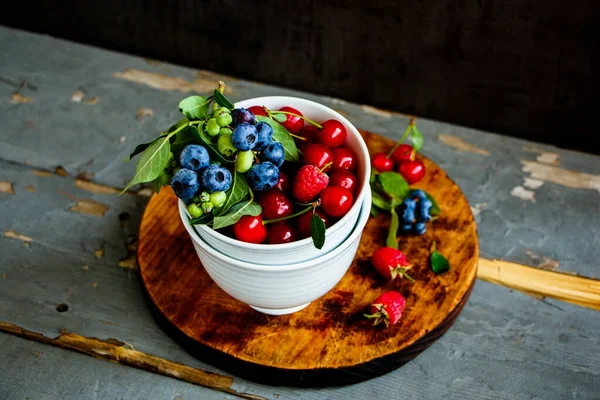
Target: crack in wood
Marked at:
119, 351
7, 187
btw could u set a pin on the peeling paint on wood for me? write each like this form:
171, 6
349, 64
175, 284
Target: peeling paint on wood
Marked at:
77, 95
7, 187
60, 171
85, 268
42, 173
477, 208
90, 207
90, 100
561, 176
543, 262
532, 183
129, 262
145, 192
30, 188
523, 194
14, 235
116, 350
376, 111
3, 275
461, 145
99, 253
95, 188
164, 82
548, 158
17, 97
143, 113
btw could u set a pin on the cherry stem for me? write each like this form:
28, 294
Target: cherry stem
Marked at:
296, 136
270, 221
299, 116
329, 164
404, 136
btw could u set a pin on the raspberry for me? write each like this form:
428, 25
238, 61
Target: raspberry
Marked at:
309, 182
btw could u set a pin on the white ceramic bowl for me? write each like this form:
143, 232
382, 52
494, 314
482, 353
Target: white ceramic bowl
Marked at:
279, 289
300, 250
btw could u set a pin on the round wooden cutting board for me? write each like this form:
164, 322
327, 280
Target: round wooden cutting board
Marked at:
329, 342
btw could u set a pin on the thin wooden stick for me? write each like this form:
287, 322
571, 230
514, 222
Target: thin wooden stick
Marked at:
570, 288
115, 350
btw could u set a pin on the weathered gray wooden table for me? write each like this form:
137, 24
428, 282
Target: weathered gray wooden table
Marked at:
71, 113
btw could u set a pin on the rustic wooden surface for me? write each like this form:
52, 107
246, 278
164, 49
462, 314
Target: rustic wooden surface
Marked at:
330, 342
66, 239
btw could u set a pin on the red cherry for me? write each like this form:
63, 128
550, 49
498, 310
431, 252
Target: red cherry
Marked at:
308, 133
284, 182
275, 204
403, 153
281, 232
292, 123
382, 163
317, 155
343, 158
257, 110
333, 134
303, 223
336, 201
412, 171
250, 229
344, 178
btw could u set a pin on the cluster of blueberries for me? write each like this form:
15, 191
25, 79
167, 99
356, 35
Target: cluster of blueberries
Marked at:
239, 136
414, 212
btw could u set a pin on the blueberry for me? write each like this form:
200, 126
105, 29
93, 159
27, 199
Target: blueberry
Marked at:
244, 137
194, 157
409, 203
265, 134
419, 228
263, 176
417, 194
407, 215
185, 183
406, 228
241, 115
216, 178
423, 209
273, 153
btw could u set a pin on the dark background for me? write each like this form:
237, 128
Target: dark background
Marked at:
525, 68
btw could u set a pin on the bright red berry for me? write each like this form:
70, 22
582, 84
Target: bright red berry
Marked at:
292, 123
275, 204
333, 134
317, 155
303, 223
382, 163
336, 201
281, 232
412, 171
343, 158
308, 183
284, 182
257, 110
390, 263
342, 177
308, 133
250, 229
387, 308
403, 153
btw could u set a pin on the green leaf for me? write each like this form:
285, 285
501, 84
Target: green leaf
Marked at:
279, 117
394, 185
236, 212
391, 240
156, 185
187, 135
141, 147
206, 141
380, 201
374, 211
238, 192
439, 263
221, 100
202, 220
152, 162
183, 121
417, 139
282, 136
317, 231
194, 107
435, 207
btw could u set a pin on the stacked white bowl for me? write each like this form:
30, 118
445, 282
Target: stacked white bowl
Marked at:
284, 278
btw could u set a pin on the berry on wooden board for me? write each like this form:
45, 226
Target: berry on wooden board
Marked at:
391, 263
382, 163
412, 171
387, 308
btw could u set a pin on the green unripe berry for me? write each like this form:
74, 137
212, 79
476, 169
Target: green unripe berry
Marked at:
225, 131
218, 198
207, 206
212, 128
244, 160
204, 197
224, 110
225, 145
165, 178
194, 210
224, 119
196, 199
215, 108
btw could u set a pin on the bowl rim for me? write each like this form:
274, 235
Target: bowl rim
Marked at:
365, 211
339, 223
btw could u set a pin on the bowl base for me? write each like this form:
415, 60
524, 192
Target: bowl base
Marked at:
280, 311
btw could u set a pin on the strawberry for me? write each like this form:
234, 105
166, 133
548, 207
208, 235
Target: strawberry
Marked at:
391, 263
309, 182
387, 308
